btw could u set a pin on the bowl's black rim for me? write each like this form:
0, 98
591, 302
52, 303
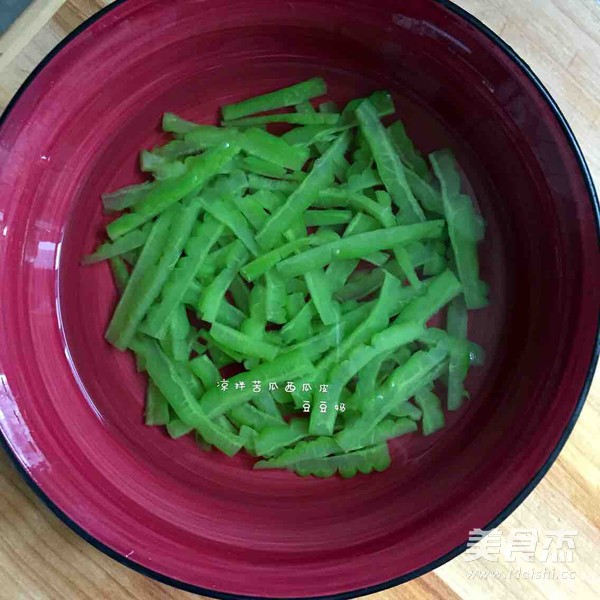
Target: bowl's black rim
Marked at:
494, 522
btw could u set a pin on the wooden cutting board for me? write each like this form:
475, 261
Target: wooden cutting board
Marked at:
41, 558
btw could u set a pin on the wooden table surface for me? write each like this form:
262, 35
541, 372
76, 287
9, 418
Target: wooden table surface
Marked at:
41, 558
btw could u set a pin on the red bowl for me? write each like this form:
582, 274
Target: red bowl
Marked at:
71, 406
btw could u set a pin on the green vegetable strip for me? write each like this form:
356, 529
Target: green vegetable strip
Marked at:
314, 347
292, 118
377, 318
341, 165
228, 186
421, 252
218, 356
425, 193
306, 107
435, 265
464, 227
202, 137
235, 356
361, 284
224, 422
262, 167
406, 150
289, 96
327, 107
403, 258
176, 341
364, 180
255, 325
401, 385
295, 284
384, 199
180, 280
343, 372
276, 150
218, 258
251, 208
273, 438
362, 159
205, 370
275, 298
459, 363
132, 256
433, 416
320, 176
126, 197
138, 298
322, 423
224, 212
173, 150
120, 273
456, 319
131, 241
269, 199
240, 294
265, 262
432, 336
286, 367
380, 100
249, 415
303, 450
322, 296
238, 342
338, 272
299, 326
359, 246
313, 134
367, 379
389, 166
174, 124
309, 135
360, 202
160, 167
157, 407
256, 182
258, 310
230, 315
141, 275
181, 399
187, 377
438, 292
376, 458
317, 218
177, 429
349, 306
259, 266
191, 296
407, 410
294, 304
199, 169
214, 294
265, 403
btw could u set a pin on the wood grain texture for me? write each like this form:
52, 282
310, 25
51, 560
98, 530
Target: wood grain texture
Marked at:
41, 558
25, 27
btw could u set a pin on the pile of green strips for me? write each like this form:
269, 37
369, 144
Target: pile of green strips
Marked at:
314, 259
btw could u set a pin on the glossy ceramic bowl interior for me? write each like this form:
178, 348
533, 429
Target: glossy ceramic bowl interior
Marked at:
71, 406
